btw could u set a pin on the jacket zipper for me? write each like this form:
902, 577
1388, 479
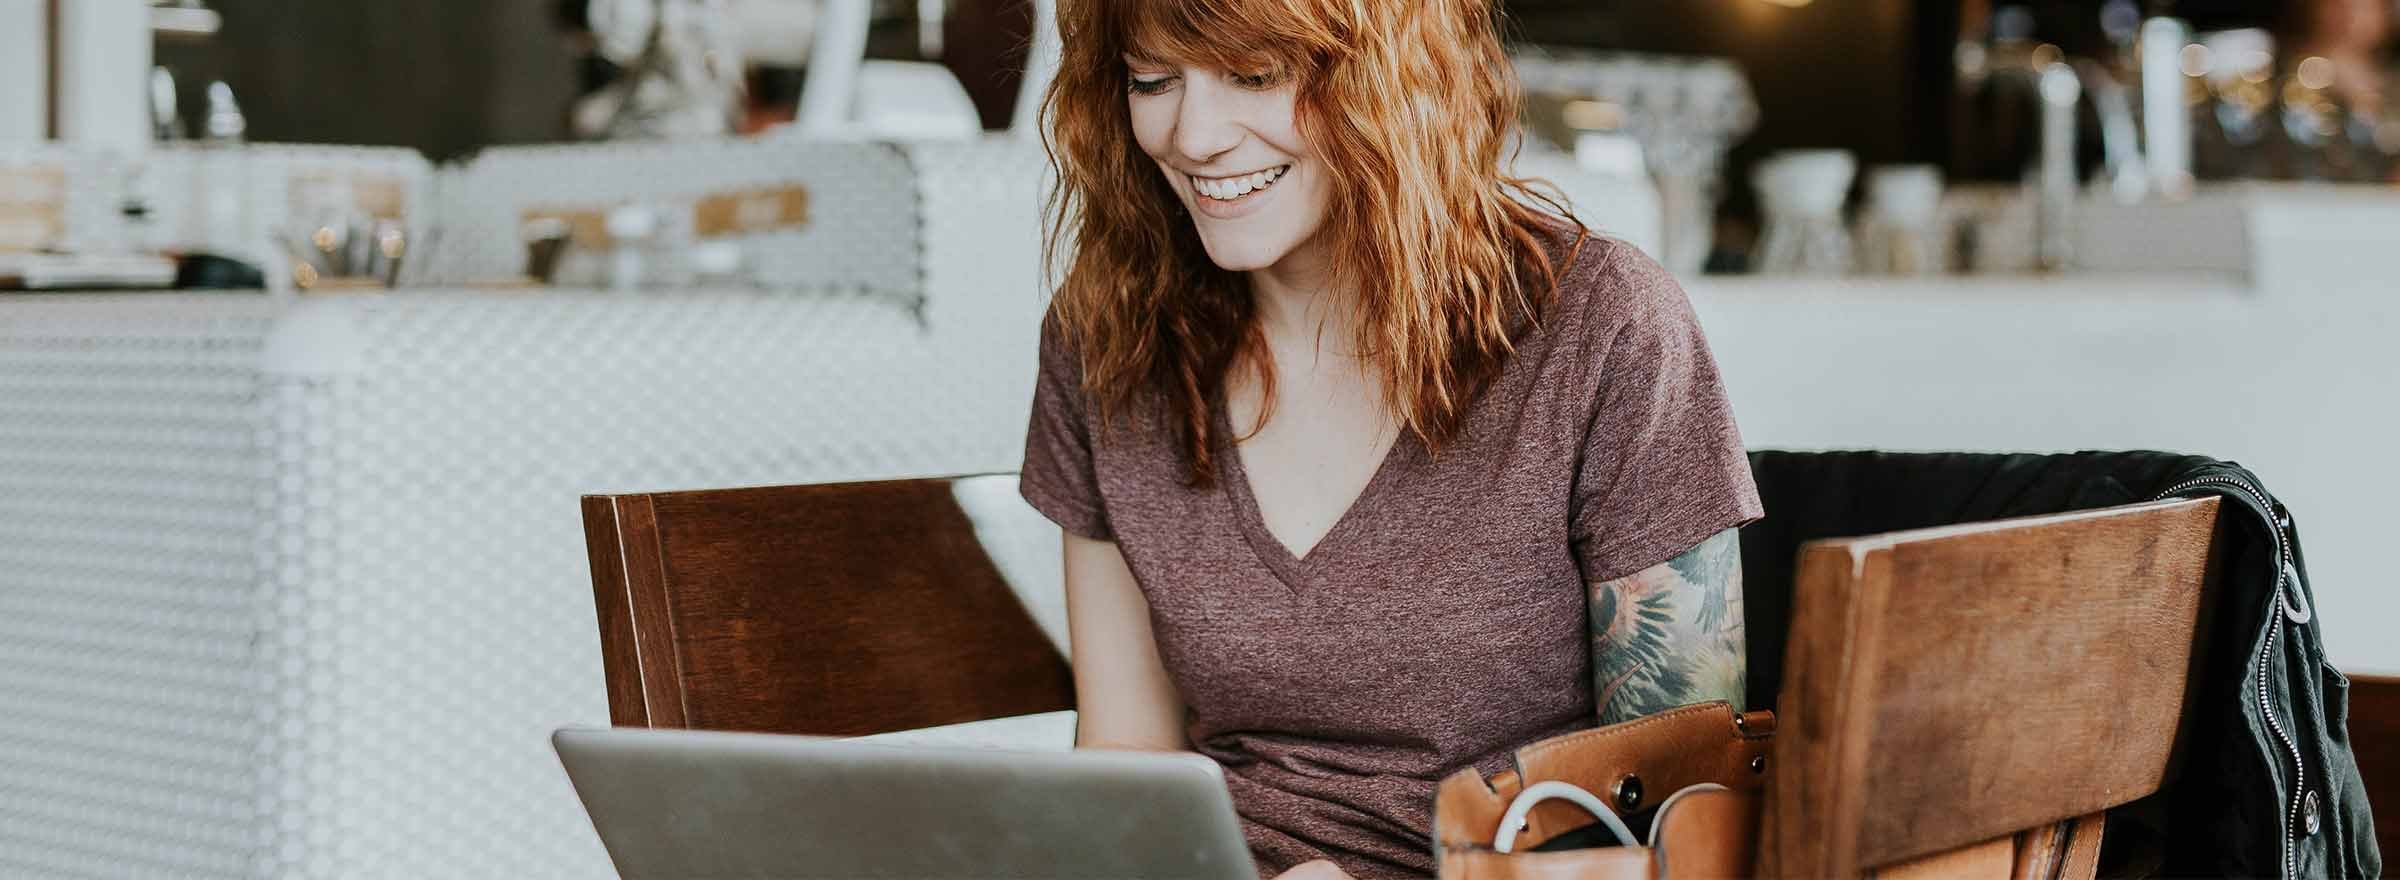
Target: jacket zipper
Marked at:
2266, 650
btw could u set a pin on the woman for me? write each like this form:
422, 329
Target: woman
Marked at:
1462, 416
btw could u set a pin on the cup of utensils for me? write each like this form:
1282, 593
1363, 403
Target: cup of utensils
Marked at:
350, 250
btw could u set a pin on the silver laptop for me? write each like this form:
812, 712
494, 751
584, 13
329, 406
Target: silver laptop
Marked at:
705, 804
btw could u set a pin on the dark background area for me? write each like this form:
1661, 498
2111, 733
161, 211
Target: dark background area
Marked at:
449, 76
1876, 77
442, 76
1871, 76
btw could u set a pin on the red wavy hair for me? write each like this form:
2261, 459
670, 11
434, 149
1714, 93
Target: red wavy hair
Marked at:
1408, 104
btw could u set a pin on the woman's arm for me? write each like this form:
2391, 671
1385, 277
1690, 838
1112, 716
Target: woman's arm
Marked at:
1670, 635
1123, 699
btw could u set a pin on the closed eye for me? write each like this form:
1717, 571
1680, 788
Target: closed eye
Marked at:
1148, 85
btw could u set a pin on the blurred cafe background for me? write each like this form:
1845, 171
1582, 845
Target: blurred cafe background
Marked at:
316, 318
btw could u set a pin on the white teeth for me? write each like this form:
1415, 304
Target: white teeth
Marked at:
1230, 188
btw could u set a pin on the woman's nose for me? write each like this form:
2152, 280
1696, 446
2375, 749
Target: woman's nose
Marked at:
1206, 125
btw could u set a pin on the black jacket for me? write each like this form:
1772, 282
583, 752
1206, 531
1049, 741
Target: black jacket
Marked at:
2265, 785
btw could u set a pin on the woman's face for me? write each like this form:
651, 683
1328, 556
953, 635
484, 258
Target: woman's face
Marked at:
1231, 152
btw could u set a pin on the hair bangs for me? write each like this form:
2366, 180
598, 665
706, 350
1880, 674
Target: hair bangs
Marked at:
1235, 35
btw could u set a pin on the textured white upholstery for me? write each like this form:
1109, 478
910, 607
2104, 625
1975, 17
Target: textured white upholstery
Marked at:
132, 716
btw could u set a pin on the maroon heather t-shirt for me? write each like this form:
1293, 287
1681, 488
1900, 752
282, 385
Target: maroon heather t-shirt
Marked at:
1441, 622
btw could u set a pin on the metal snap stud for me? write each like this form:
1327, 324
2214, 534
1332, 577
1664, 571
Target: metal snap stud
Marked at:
1629, 792
2309, 819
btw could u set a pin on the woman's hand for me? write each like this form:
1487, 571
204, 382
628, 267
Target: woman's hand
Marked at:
1320, 869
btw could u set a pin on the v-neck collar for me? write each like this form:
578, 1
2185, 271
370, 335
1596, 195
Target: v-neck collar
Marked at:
1297, 572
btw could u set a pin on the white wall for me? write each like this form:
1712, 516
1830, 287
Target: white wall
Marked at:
24, 73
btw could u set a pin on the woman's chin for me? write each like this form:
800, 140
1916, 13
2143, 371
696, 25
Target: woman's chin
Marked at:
1242, 256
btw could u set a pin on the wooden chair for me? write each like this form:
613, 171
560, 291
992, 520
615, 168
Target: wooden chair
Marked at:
837, 609
1960, 699
1914, 737
2375, 738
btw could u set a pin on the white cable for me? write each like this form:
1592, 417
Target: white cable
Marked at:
1661, 815
1514, 820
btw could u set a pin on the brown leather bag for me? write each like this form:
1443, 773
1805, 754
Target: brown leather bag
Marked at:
1708, 831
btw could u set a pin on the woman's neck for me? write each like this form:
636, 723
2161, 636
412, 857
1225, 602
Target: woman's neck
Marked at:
1298, 308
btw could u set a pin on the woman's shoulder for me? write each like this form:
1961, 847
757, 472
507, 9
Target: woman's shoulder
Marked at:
1605, 282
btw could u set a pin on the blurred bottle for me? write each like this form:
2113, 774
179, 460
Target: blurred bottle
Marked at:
2166, 106
166, 120
2303, 101
222, 181
224, 123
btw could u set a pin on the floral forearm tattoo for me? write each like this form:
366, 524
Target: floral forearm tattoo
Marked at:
1670, 635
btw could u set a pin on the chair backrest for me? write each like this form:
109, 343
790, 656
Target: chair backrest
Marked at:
2375, 741
1947, 687
837, 609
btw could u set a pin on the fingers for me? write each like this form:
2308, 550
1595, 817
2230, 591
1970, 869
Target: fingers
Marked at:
1320, 869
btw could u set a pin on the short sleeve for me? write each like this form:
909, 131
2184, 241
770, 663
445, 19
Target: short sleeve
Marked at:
1661, 467
1058, 477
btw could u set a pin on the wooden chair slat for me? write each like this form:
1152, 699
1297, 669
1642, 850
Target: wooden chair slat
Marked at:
834, 609
1949, 686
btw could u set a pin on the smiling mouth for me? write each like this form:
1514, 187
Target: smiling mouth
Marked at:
1231, 189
